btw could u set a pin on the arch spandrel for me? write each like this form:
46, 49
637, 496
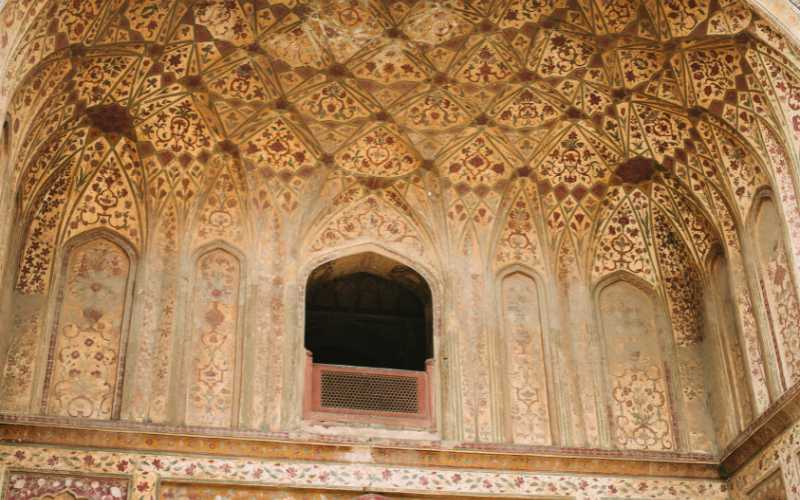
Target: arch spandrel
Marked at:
519, 240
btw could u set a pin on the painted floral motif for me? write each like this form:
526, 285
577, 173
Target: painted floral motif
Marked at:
391, 63
769, 474
40, 486
519, 12
519, 241
370, 218
640, 399
88, 338
640, 405
560, 53
242, 83
527, 107
380, 152
144, 470
107, 201
221, 216
771, 488
638, 65
225, 21
784, 311
665, 133
178, 128
713, 72
574, 174
682, 284
215, 330
734, 17
434, 110
17, 380
529, 406
479, 161
623, 245
434, 24
678, 17
34, 275
489, 62
333, 101
279, 163
616, 15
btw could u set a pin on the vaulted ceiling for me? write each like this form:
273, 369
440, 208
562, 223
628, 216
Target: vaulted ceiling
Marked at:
573, 129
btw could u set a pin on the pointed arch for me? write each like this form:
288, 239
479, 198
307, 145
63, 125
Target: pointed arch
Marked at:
526, 362
85, 360
637, 384
442, 349
731, 401
214, 360
777, 289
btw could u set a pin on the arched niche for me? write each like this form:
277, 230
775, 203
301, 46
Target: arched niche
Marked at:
724, 359
639, 396
525, 364
86, 352
777, 288
214, 339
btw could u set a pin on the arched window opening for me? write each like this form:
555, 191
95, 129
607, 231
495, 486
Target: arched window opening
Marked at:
368, 336
368, 311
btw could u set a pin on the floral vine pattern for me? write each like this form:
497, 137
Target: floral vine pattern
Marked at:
215, 311
88, 340
146, 475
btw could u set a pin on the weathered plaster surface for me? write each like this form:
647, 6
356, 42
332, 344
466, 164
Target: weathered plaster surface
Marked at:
566, 176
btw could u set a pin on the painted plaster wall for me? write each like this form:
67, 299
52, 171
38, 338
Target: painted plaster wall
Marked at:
774, 471
543, 186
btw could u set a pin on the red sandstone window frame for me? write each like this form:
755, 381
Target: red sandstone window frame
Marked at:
313, 410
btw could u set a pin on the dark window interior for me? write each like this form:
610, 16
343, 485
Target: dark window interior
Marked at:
363, 319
